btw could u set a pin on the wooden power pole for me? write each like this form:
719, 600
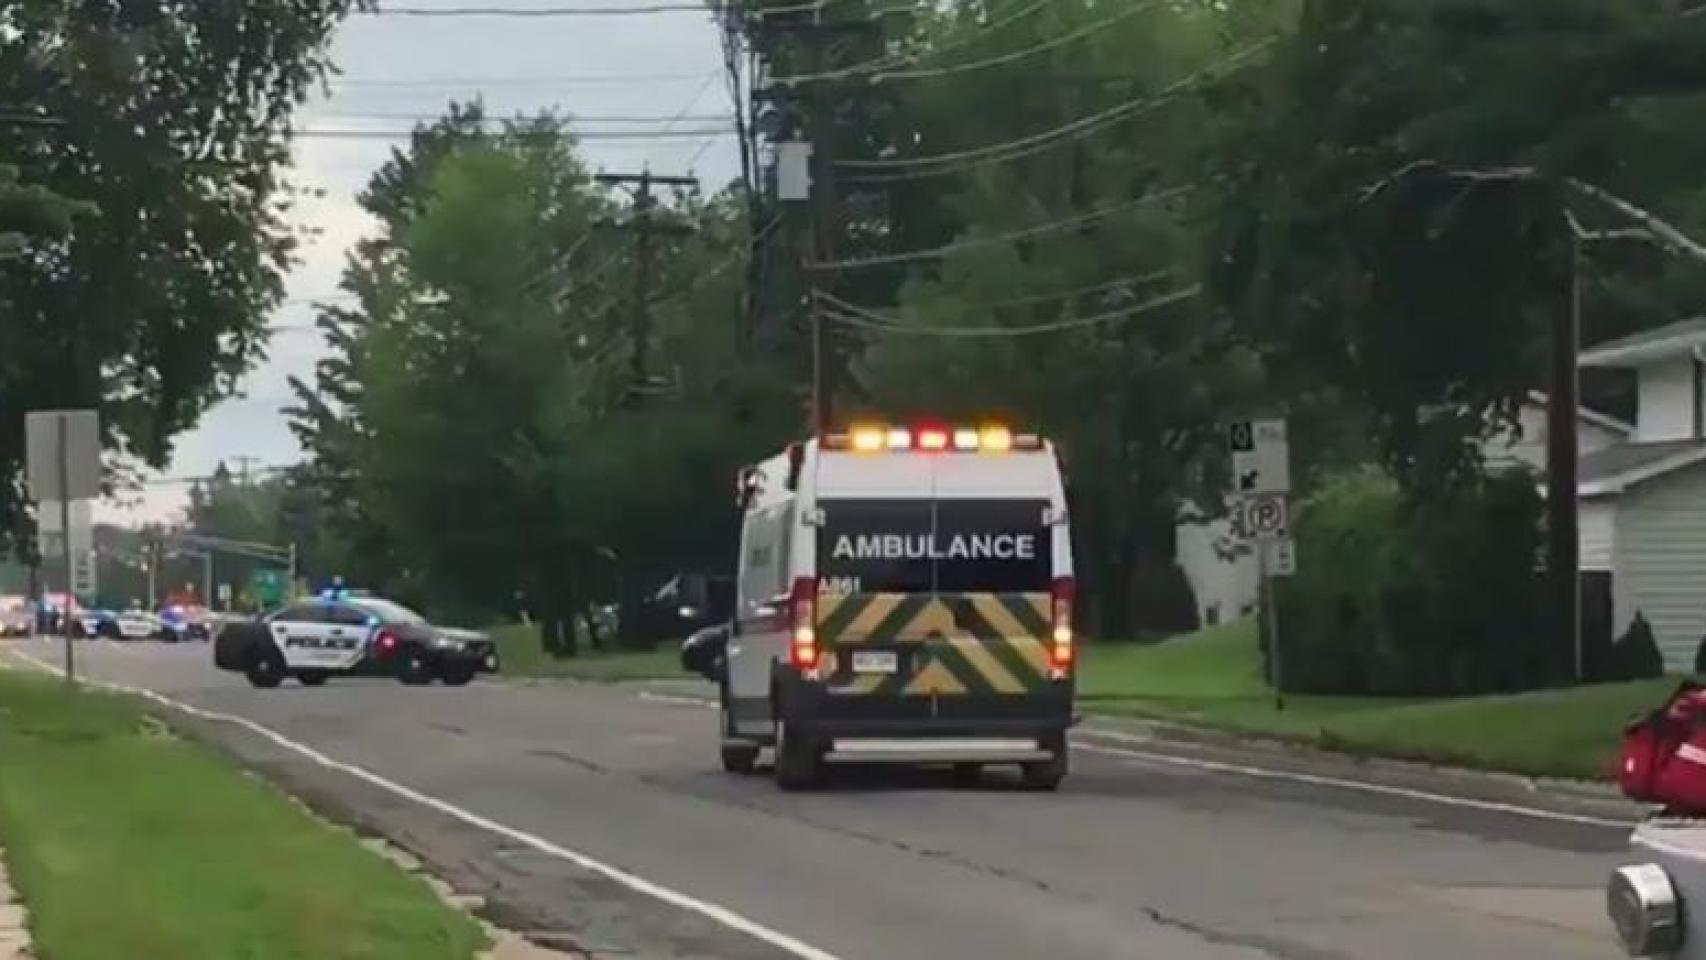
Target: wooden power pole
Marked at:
645, 226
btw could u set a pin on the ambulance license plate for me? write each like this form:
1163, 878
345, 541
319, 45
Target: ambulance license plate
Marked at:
876, 661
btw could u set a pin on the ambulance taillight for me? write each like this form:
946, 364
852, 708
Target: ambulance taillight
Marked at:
1061, 653
802, 624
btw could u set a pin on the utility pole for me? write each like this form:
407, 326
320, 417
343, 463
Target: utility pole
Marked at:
1563, 546
645, 225
826, 224
243, 463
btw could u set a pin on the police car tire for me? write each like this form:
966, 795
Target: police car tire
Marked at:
416, 670
312, 678
265, 671
458, 675
798, 765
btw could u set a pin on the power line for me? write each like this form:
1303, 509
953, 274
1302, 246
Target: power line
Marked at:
1026, 301
516, 81
359, 134
429, 117
1016, 55
1081, 126
894, 325
1041, 229
642, 10
878, 64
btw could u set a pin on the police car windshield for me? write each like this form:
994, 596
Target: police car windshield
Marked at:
941, 546
388, 611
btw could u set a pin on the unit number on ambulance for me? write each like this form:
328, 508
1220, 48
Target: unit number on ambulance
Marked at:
839, 587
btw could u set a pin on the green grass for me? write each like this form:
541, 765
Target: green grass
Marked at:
522, 656
1213, 678
125, 841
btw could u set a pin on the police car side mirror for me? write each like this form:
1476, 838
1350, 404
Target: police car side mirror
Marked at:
1053, 517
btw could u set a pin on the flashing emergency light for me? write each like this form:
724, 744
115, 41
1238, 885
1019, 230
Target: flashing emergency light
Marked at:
868, 439
877, 439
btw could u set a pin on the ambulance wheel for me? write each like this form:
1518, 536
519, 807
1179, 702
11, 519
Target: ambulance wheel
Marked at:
265, 671
740, 758
797, 762
1046, 775
312, 678
415, 671
967, 774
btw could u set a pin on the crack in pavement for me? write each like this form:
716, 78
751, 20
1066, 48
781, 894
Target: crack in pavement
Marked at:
1276, 947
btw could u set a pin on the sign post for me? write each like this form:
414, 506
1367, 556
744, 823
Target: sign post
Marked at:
1261, 478
63, 463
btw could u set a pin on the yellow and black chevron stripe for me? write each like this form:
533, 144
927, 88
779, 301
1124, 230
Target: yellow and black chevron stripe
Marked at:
966, 644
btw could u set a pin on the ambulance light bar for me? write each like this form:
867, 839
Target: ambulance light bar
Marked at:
879, 439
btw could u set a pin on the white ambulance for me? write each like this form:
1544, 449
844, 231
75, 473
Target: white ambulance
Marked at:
905, 596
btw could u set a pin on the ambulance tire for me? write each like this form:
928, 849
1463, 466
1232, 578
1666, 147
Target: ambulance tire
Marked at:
1046, 775
738, 757
798, 764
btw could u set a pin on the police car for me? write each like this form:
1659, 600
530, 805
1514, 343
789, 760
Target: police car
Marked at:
340, 633
904, 596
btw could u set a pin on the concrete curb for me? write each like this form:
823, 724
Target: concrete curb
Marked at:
15, 940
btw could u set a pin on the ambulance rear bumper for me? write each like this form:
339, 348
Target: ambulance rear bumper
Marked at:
904, 725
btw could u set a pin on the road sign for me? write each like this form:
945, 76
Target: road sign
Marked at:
268, 587
225, 593
84, 585
1264, 518
50, 533
1261, 456
1282, 557
63, 454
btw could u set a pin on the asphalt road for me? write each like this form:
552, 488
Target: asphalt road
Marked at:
533, 794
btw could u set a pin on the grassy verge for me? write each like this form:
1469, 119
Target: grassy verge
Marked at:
127, 842
1213, 678
518, 646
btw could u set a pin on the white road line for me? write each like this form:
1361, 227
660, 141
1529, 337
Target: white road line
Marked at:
712, 911
1316, 780
681, 701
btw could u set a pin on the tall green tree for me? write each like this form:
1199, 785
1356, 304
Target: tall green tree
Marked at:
169, 127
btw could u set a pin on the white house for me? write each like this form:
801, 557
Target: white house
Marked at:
1643, 503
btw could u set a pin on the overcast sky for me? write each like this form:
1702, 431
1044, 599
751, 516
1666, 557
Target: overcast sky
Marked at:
396, 67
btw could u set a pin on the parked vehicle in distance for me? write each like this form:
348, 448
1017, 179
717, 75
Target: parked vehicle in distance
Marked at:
185, 622
141, 625
97, 623
15, 616
343, 634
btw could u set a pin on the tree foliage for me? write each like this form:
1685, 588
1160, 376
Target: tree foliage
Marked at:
480, 425
163, 123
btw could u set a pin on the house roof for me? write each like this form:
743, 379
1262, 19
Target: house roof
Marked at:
1539, 398
1618, 467
1672, 340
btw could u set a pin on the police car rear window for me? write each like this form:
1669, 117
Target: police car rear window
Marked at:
923, 546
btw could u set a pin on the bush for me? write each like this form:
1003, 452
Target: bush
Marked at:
1399, 595
1635, 655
